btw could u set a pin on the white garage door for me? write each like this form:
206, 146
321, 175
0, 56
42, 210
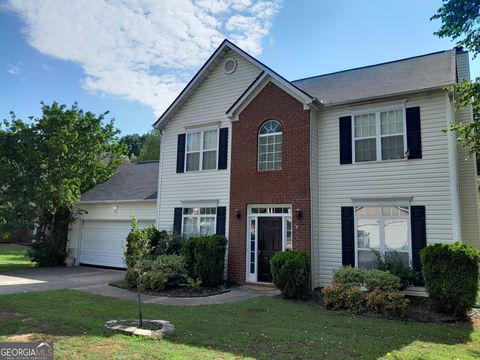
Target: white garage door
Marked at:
102, 242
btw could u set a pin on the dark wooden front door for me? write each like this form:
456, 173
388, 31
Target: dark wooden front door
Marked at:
269, 242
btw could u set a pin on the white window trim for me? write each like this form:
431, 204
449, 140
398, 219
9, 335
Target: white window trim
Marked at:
253, 277
200, 165
258, 145
198, 216
381, 219
378, 136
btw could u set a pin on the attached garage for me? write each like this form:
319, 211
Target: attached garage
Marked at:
103, 217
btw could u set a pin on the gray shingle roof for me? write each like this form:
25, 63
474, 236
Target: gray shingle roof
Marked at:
396, 77
132, 182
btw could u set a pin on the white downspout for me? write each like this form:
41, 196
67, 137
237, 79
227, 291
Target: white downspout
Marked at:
159, 187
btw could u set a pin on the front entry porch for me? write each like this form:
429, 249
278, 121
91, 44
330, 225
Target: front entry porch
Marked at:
269, 230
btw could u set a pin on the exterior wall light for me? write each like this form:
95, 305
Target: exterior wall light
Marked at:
298, 213
237, 213
115, 208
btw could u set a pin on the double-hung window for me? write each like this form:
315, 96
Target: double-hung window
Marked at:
382, 230
201, 150
199, 221
379, 135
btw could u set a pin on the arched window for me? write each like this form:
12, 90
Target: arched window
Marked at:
270, 146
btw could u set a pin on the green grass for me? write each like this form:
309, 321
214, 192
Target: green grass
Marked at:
13, 257
261, 328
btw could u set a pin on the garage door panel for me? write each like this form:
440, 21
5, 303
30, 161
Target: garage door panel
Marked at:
102, 242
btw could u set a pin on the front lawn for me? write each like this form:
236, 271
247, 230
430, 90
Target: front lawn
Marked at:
13, 257
262, 328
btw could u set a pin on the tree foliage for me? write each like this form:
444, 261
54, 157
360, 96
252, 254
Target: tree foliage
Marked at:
144, 147
47, 162
461, 22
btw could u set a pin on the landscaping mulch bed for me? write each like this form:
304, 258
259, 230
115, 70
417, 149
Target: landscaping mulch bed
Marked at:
180, 292
419, 310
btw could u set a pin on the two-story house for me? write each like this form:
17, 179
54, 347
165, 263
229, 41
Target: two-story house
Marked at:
337, 165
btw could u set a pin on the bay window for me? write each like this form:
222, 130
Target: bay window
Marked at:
199, 221
383, 230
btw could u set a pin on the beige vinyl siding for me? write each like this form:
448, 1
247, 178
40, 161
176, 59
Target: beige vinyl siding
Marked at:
143, 211
214, 96
467, 170
426, 180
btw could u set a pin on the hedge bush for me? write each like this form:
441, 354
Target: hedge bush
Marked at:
381, 280
291, 273
166, 271
349, 276
205, 259
394, 263
45, 252
341, 297
451, 273
386, 302
164, 243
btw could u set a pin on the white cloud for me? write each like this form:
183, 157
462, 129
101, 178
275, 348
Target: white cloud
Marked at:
143, 50
14, 70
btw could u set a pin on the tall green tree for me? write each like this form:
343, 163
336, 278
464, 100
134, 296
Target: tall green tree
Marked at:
150, 149
133, 143
47, 162
461, 22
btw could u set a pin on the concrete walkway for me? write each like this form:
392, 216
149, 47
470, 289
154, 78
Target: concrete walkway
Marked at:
96, 281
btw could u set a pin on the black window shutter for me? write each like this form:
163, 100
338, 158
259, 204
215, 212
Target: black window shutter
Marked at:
419, 235
221, 220
414, 136
177, 221
345, 140
223, 149
348, 236
181, 153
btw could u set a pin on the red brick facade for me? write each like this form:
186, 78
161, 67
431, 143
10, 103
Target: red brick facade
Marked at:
291, 185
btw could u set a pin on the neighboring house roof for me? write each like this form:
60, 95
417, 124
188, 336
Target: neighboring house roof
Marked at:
133, 182
424, 72
210, 64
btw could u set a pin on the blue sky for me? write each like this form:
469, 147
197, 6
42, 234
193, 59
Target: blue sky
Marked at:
133, 59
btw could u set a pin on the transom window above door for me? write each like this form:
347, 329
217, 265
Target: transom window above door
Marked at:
270, 146
201, 150
381, 230
379, 135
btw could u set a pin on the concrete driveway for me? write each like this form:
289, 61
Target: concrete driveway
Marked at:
95, 280
42, 279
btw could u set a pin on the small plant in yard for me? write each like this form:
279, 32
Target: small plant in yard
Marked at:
396, 265
341, 297
386, 302
451, 273
291, 273
381, 280
349, 276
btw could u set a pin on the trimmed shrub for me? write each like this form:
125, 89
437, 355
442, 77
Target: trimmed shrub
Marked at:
381, 280
349, 276
394, 263
166, 271
451, 273
386, 302
138, 245
340, 297
164, 243
45, 252
205, 259
291, 273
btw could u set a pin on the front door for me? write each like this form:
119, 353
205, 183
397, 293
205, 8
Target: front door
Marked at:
269, 242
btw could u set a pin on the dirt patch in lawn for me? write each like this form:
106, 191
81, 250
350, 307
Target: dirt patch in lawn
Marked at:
8, 315
32, 337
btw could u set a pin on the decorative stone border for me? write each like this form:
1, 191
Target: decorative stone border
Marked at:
125, 327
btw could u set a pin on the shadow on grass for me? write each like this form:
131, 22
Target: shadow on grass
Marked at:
263, 328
